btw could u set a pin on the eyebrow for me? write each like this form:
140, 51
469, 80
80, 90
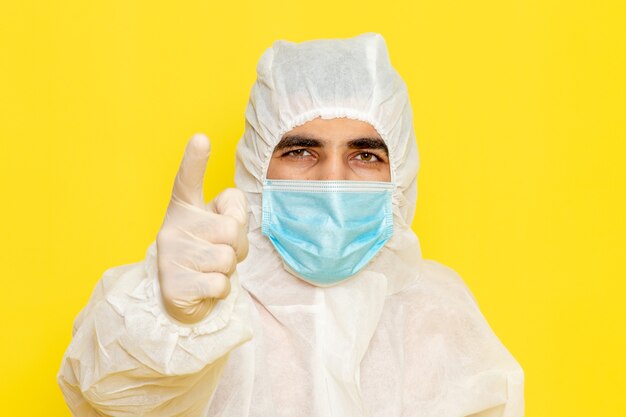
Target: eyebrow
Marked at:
308, 142
298, 142
368, 143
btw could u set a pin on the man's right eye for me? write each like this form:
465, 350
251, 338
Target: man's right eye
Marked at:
297, 153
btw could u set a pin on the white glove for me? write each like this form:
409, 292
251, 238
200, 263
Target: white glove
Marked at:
198, 246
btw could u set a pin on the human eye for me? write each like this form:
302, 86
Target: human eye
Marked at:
367, 157
297, 153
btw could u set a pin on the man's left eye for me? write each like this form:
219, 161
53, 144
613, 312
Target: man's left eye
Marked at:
367, 157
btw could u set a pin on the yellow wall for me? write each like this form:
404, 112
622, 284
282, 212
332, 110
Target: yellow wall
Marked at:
519, 113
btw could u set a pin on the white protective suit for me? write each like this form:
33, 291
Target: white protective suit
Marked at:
404, 337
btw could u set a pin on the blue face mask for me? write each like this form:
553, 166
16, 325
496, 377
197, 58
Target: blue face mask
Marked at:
327, 231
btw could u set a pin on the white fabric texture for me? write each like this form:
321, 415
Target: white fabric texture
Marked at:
404, 337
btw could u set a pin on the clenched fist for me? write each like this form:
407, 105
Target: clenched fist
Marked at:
199, 246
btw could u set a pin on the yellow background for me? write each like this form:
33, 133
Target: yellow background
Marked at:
519, 113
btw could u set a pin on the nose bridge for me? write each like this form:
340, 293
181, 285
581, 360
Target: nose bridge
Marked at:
334, 167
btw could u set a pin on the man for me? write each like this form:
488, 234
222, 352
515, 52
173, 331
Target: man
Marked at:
303, 292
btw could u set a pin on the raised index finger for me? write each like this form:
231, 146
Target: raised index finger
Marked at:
190, 176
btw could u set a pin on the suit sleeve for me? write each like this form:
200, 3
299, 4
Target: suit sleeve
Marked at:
462, 363
128, 357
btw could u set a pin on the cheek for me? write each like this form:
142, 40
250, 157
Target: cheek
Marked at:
280, 169
379, 173
274, 170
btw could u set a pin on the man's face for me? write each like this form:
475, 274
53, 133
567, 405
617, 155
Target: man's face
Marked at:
331, 149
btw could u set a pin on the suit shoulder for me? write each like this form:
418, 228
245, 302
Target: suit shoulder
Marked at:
442, 283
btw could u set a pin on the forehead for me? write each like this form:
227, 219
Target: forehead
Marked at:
334, 130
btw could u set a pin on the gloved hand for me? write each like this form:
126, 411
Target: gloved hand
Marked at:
199, 246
